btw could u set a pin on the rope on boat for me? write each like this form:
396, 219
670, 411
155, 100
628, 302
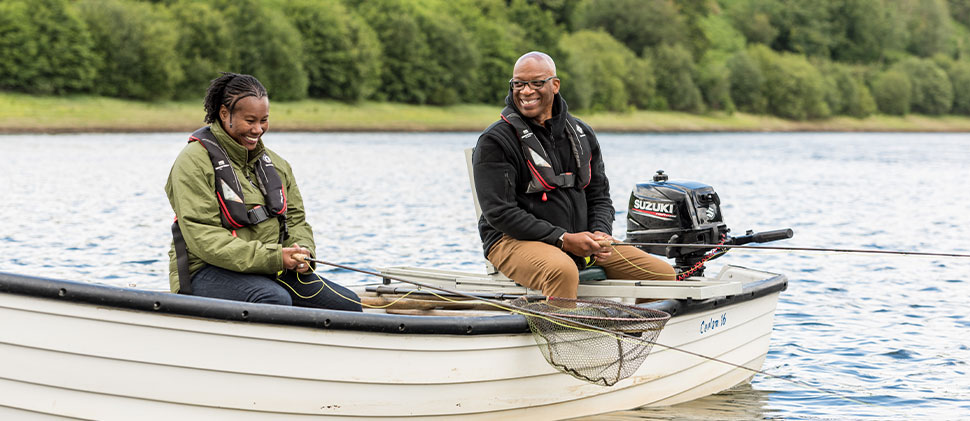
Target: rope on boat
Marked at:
577, 325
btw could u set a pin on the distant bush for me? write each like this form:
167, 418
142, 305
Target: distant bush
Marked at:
892, 91
714, 81
928, 25
721, 35
341, 53
959, 74
866, 30
604, 74
675, 71
845, 91
429, 58
793, 87
931, 91
266, 45
638, 24
136, 42
747, 83
45, 48
205, 46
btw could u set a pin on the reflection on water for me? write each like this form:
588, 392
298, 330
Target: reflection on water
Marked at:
886, 330
740, 403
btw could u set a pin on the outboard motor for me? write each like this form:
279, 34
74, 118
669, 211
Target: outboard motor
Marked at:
666, 217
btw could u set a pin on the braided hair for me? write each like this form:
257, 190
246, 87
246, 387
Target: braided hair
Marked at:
227, 90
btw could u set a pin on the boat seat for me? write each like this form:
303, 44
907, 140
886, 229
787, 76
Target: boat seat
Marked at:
591, 274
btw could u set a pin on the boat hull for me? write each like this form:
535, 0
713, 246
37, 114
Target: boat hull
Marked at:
64, 358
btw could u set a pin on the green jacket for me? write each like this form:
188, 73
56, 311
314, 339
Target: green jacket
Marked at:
253, 249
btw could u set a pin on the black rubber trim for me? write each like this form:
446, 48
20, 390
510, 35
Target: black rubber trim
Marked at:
210, 308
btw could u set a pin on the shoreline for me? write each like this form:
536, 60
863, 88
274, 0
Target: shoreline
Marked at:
28, 114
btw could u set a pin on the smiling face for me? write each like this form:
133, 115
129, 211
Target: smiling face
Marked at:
248, 121
535, 103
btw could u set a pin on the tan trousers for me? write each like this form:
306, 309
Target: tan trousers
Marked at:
544, 267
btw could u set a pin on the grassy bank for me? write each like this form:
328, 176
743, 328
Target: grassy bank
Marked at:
32, 114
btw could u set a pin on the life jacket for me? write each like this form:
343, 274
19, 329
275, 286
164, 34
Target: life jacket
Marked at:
232, 208
544, 178
229, 191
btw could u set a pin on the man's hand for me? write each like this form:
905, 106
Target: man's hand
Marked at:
290, 262
584, 244
607, 250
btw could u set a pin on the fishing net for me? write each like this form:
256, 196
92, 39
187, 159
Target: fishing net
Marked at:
592, 354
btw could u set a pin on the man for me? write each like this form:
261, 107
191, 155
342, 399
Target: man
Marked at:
543, 190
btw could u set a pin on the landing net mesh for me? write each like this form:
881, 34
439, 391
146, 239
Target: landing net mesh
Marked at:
589, 354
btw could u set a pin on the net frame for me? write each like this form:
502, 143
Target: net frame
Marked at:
591, 339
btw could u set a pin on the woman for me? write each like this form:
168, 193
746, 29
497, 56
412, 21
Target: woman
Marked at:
240, 226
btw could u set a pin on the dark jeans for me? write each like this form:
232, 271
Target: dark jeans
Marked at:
307, 291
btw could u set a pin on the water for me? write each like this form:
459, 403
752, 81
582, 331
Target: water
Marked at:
886, 330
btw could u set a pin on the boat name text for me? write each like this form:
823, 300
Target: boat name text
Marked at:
713, 323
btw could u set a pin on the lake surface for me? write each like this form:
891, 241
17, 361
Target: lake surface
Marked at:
891, 331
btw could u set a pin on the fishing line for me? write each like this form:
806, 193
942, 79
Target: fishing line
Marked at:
575, 324
321, 280
895, 252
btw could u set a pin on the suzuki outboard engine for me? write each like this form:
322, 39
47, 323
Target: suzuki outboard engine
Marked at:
666, 217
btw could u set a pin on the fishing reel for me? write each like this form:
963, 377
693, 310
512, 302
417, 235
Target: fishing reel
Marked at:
682, 220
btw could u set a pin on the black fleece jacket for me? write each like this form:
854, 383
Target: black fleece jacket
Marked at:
501, 177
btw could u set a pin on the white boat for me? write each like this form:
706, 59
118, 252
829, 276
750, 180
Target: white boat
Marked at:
76, 350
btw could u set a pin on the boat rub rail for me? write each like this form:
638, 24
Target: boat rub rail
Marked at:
210, 308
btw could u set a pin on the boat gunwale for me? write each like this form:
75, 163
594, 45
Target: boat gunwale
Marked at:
226, 310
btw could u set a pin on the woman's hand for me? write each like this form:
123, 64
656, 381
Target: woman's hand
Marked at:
293, 258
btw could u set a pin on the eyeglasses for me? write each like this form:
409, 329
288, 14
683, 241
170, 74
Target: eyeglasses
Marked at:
518, 85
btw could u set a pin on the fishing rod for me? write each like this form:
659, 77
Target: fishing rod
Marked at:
559, 319
724, 246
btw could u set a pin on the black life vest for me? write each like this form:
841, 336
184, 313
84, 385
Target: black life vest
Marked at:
544, 178
229, 191
232, 208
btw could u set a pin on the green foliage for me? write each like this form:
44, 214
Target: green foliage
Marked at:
793, 87
960, 11
845, 91
638, 24
866, 31
341, 53
928, 26
267, 47
714, 82
500, 43
753, 18
45, 48
543, 32
676, 73
721, 35
137, 44
959, 75
747, 83
892, 91
204, 38
428, 55
604, 74
931, 91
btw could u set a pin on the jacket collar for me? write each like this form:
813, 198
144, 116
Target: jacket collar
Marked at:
236, 152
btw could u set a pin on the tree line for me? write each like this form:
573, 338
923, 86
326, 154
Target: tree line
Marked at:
793, 59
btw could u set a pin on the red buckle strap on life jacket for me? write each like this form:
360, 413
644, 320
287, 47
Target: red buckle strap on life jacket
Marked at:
544, 177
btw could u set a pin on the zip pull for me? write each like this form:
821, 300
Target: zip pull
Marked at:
544, 198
